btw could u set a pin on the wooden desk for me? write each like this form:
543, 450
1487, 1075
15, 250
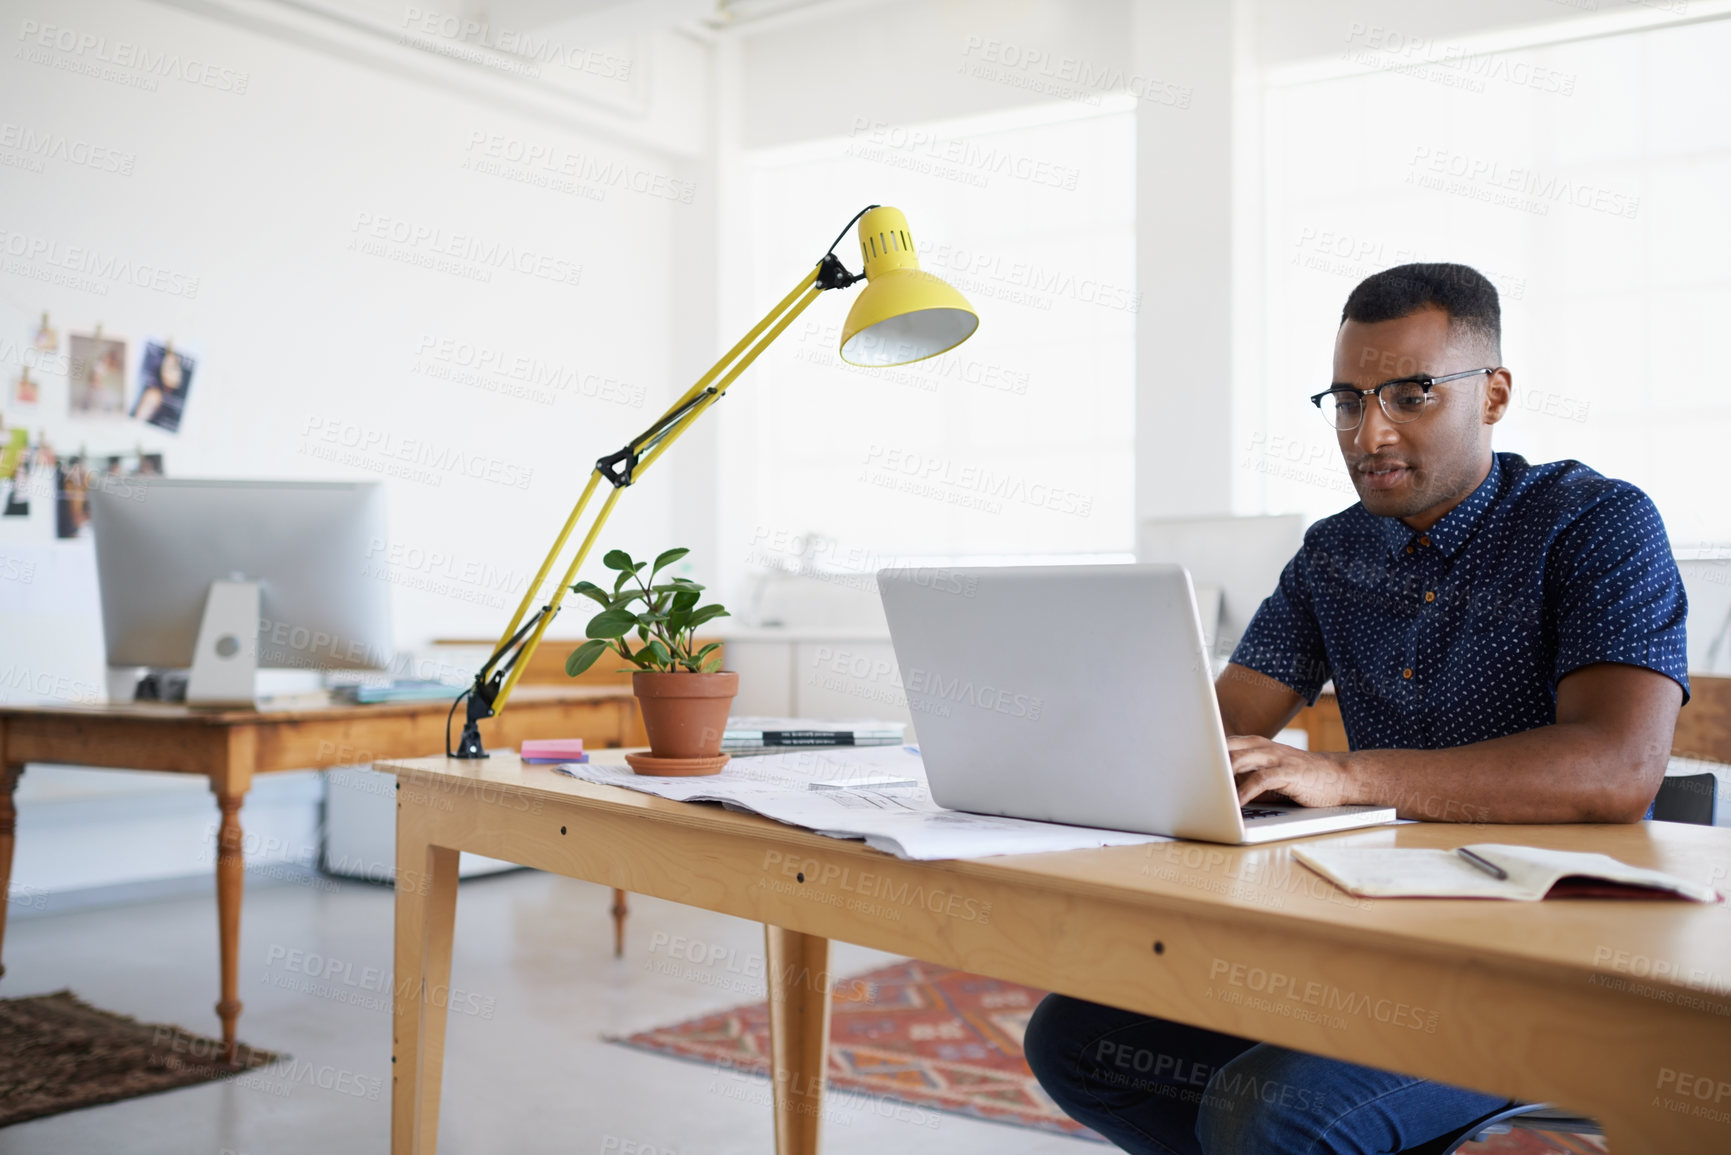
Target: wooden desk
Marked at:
1555, 1001
229, 746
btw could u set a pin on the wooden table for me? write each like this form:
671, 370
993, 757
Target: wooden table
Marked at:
1558, 1001
229, 746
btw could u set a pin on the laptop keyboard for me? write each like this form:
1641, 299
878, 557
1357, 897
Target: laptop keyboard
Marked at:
1253, 812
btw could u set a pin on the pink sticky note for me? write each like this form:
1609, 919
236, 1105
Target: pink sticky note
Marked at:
560, 748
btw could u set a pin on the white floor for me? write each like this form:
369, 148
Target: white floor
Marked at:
535, 988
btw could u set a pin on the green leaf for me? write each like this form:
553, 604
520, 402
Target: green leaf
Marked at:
610, 624
667, 558
591, 590
620, 601
676, 586
705, 614
679, 613
710, 665
706, 651
617, 559
662, 657
584, 656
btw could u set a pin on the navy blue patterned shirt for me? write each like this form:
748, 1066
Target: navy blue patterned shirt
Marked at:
1461, 633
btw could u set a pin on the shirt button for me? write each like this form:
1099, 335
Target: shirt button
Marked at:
1409, 549
1430, 595
1424, 541
1406, 673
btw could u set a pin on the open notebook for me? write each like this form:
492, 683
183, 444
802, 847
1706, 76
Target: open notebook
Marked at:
1533, 874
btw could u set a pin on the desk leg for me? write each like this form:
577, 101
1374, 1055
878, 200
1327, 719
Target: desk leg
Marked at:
230, 783
798, 971
426, 915
8, 823
619, 912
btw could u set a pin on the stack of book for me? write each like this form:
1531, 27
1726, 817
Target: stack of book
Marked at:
747, 736
402, 690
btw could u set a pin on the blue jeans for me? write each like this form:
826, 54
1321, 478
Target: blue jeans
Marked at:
1155, 1086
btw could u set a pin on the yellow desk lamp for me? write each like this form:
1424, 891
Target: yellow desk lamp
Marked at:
902, 315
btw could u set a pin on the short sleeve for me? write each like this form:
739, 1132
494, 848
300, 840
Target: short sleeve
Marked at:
1617, 592
1284, 640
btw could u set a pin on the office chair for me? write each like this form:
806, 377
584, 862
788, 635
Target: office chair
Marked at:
1690, 798
1687, 798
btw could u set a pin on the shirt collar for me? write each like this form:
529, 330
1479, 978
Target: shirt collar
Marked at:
1456, 526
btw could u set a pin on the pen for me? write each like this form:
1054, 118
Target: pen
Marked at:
1485, 865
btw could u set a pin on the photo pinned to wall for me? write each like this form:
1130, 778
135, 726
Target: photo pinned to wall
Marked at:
14, 473
13, 445
98, 375
164, 378
47, 337
25, 389
117, 465
76, 476
71, 497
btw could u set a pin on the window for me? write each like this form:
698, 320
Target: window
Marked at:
1589, 180
1020, 441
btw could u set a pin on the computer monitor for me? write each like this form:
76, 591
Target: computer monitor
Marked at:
226, 577
1234, 563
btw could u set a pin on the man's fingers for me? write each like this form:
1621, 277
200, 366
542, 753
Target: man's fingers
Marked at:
1255, 758
1252, 785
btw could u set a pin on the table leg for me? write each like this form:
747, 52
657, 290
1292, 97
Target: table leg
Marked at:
8, 822
798, 973
230, 883
619, 913
426, 913
229, 781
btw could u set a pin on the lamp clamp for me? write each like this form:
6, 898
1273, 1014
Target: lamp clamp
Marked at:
480, 698
489, 682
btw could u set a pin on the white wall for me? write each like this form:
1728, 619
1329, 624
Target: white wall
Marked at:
266, 189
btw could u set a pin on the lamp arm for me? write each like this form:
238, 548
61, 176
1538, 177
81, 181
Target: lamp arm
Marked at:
498, 676
672, 425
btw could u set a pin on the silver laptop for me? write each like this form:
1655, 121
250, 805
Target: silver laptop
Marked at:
1077, 694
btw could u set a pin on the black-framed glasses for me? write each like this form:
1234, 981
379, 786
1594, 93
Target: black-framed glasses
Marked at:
1403, 399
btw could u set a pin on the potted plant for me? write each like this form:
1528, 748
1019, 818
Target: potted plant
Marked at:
684, 699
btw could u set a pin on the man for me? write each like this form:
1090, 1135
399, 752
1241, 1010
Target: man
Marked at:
1506, 642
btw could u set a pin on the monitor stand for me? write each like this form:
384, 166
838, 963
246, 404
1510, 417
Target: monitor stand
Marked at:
225, 662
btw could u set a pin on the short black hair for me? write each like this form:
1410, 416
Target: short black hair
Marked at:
1464, 293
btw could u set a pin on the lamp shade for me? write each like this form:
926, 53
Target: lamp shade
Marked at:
904, 314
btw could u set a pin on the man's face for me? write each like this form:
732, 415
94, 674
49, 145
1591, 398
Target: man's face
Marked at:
1426, 466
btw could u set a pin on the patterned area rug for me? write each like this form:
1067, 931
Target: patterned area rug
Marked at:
58, 1053
938, 1038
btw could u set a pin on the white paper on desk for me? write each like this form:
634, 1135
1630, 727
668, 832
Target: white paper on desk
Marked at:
903, 821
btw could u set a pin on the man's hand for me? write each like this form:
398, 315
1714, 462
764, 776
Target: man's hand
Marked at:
1264, 767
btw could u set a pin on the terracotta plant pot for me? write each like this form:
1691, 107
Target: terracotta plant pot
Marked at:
685, 714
